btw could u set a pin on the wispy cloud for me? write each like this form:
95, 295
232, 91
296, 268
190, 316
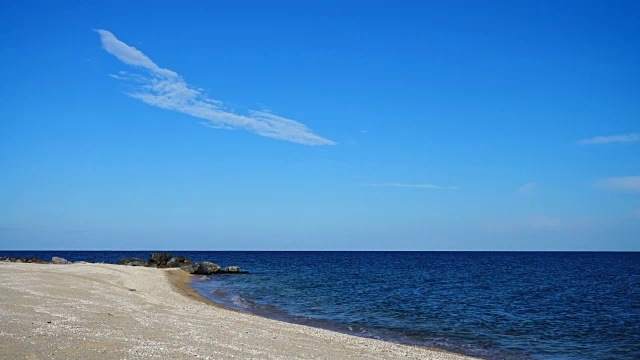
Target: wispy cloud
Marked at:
613, 139
622, 183
421, 186
166, 89
528, 188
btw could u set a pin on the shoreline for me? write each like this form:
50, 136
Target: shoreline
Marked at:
181, 280
97, 311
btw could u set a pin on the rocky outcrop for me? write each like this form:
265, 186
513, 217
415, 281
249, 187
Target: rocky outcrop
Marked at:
166, 260
231, 269
59, 261
132, 262
33, 260
206, 268
209, 268
37, 260
159, 259
137, 262
178, 261
190, 268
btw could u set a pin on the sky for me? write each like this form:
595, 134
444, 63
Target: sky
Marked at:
333, 125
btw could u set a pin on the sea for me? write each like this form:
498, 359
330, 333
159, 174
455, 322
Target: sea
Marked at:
494, 305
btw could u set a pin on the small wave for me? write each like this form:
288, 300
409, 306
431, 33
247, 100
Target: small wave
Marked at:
243, 303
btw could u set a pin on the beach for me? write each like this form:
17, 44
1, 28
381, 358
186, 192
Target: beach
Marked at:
104, 311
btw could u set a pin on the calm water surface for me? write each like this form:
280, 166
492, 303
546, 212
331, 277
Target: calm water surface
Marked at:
497, 305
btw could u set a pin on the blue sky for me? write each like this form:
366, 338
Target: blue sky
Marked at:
456, 125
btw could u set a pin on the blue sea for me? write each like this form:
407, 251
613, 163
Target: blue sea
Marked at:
495, 305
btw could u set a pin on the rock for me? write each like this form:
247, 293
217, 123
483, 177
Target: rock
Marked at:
59, 260
209, 268
178, 261
206, 268
36, 260
173, 262
22, 260
132, 262
231, 269
137, 262
190, 268
159, 259
33, 260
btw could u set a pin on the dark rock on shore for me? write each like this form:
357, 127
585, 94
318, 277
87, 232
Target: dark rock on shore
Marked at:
159, 259
132, 262
190, 268
209, 268
206, 268
37, 260
178, 261
137, 262
165, 260
33, 260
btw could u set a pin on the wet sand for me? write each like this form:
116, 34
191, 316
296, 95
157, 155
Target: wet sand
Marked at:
100, 311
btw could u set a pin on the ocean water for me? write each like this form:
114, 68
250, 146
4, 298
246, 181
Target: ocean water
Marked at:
495, 305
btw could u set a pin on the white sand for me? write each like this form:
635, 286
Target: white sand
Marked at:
88, 312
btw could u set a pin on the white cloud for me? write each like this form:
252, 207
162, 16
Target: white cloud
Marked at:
166, 89
623, 183
528, 188
421, 186
130, 55
600, 140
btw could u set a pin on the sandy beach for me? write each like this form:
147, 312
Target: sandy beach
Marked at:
100, 311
